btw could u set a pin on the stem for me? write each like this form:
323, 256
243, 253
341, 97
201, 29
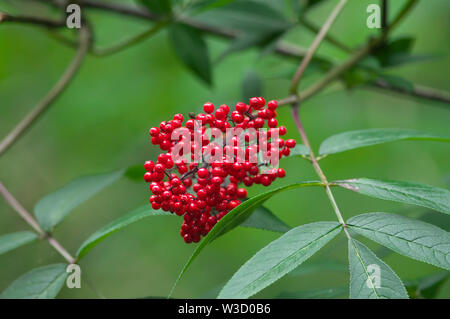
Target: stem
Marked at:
48, 23
34, 224
317, 41
310, 26
41, 107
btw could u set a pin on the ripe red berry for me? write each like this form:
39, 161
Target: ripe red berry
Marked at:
203, 173
290, 143
241, 107
208, 107
272, 105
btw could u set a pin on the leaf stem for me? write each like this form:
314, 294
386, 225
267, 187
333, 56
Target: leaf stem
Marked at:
34, 224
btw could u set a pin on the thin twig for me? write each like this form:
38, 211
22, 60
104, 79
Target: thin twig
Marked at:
34, 224
315, 45
48, 23
84, 44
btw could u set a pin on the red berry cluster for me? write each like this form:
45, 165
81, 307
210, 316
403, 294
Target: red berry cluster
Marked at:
205, 192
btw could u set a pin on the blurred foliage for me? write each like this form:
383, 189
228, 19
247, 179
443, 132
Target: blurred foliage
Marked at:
101, 123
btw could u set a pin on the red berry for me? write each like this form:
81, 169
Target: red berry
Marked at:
290, 143
272, 105
208, 107
241, 107
203, 173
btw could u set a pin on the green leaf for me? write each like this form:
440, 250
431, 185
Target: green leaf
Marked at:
14, 240
116, 225
279, 258
248, 17
427, 287
299, 150
40, 283
135, 172
363, 269
404, 192
262, 218
328, 293
356, 139
319, 266
161, 7
190, 47
234, 218
397, 82
406, 236
252, 85
53, 208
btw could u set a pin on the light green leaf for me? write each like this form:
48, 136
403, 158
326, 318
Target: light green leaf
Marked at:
356, 139
404, 192
53, 208
328, 293
364, 266
406, 236
279, 258
40, 283
116, 225
190, 47
234, 218
318, 267
262, 218
299, 150
14, 240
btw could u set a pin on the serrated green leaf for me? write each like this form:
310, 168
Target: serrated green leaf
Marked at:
356, 139
279, 258
252, 85
262, 218
161, 7
192, 50
363, 269
40, 283
116, 225
404, 192
236, 217
319, 266
328, 293
12, 241
406, 236
54, 207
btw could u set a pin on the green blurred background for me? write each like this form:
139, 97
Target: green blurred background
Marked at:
101, 124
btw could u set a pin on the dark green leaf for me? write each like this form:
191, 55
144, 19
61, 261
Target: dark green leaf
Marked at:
356, 139
404, 192
53, 208
363, 269
279, 258
234, 218
190, 47
14, 240
116, 225
252, 85
262, 218
161, 7
40, 283
406, 236
135, 172
397, 82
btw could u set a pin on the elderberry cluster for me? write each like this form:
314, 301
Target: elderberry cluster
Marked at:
203, 192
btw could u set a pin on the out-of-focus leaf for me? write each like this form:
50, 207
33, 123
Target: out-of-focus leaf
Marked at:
363, 268
397, 82
328, 293
234, 218
40, 283
54, 207
404, 192
262, 218
252, 85
355, 139
135, 172
161, 7
406, 236
428, 286
116, 225
279, 258
12, 241
191, 48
